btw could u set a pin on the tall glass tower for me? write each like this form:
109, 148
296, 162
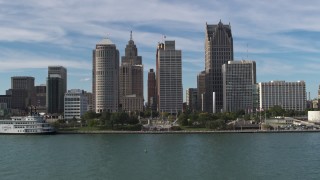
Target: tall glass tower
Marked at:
218, 51
56, 87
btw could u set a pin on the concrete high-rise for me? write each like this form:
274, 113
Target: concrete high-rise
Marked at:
22, 92
239, 79
192, 98
152, 93
131, 79
41, 95
201, 80
22, 82
169, 78
89, 96
105, 76
288, 95
56, 87
218, 51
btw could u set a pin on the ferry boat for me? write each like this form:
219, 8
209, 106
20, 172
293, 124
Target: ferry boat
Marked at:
34, 124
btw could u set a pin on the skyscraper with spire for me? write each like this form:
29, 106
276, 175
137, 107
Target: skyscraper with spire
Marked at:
131, 79
218, 51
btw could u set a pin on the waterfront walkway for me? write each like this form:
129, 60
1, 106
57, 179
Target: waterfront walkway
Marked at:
185, 132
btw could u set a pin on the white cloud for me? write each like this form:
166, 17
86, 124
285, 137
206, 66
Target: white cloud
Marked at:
85, 79
18, 60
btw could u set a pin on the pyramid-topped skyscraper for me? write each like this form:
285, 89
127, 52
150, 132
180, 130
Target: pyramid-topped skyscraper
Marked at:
218, 51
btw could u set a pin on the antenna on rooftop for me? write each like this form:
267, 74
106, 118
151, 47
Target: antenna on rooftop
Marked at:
130, 35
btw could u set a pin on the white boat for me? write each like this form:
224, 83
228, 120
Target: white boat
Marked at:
34, 124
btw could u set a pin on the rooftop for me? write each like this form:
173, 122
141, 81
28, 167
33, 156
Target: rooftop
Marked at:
105, 41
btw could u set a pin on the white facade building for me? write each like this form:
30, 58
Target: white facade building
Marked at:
288, 95
314, 116
239, 79
75, 104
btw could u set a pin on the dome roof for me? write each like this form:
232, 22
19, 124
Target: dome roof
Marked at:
105, 41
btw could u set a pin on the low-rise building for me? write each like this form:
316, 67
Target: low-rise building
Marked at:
314, 116
288, 95
75, 104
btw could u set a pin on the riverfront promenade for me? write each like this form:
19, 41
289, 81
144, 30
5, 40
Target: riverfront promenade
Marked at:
185, 132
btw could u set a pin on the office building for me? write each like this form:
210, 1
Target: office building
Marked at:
169, 78
56, 88
201, 89
192, 98
105, 80
239, 79
41, 96
288, 95
22, 92
6, 99
152, 91
218, 51
131, 79
90, 101
75, 104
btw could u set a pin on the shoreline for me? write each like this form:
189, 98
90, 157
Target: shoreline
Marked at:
188, 132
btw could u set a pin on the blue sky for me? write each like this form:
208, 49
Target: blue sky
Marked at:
282, 36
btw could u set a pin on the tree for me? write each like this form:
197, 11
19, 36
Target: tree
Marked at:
89, 115
216, 124
164, 115
155, 114
203, 118
247, 117
123, 118
192, 119
92, 123
183, 119
132, 120
277, 111
105, 118
114, 119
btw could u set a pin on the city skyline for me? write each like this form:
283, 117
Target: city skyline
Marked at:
279, 36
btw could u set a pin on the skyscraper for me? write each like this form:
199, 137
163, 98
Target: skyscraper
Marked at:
56, 87
131, 79
239, 79
201, 81
192, 98
22, 92
105, 76
218, 51
90, 104
41, 95
169, 78
152, 93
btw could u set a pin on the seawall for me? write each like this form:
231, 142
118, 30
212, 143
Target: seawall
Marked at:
187, 132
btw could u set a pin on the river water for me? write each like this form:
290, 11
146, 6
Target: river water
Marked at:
161, 156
